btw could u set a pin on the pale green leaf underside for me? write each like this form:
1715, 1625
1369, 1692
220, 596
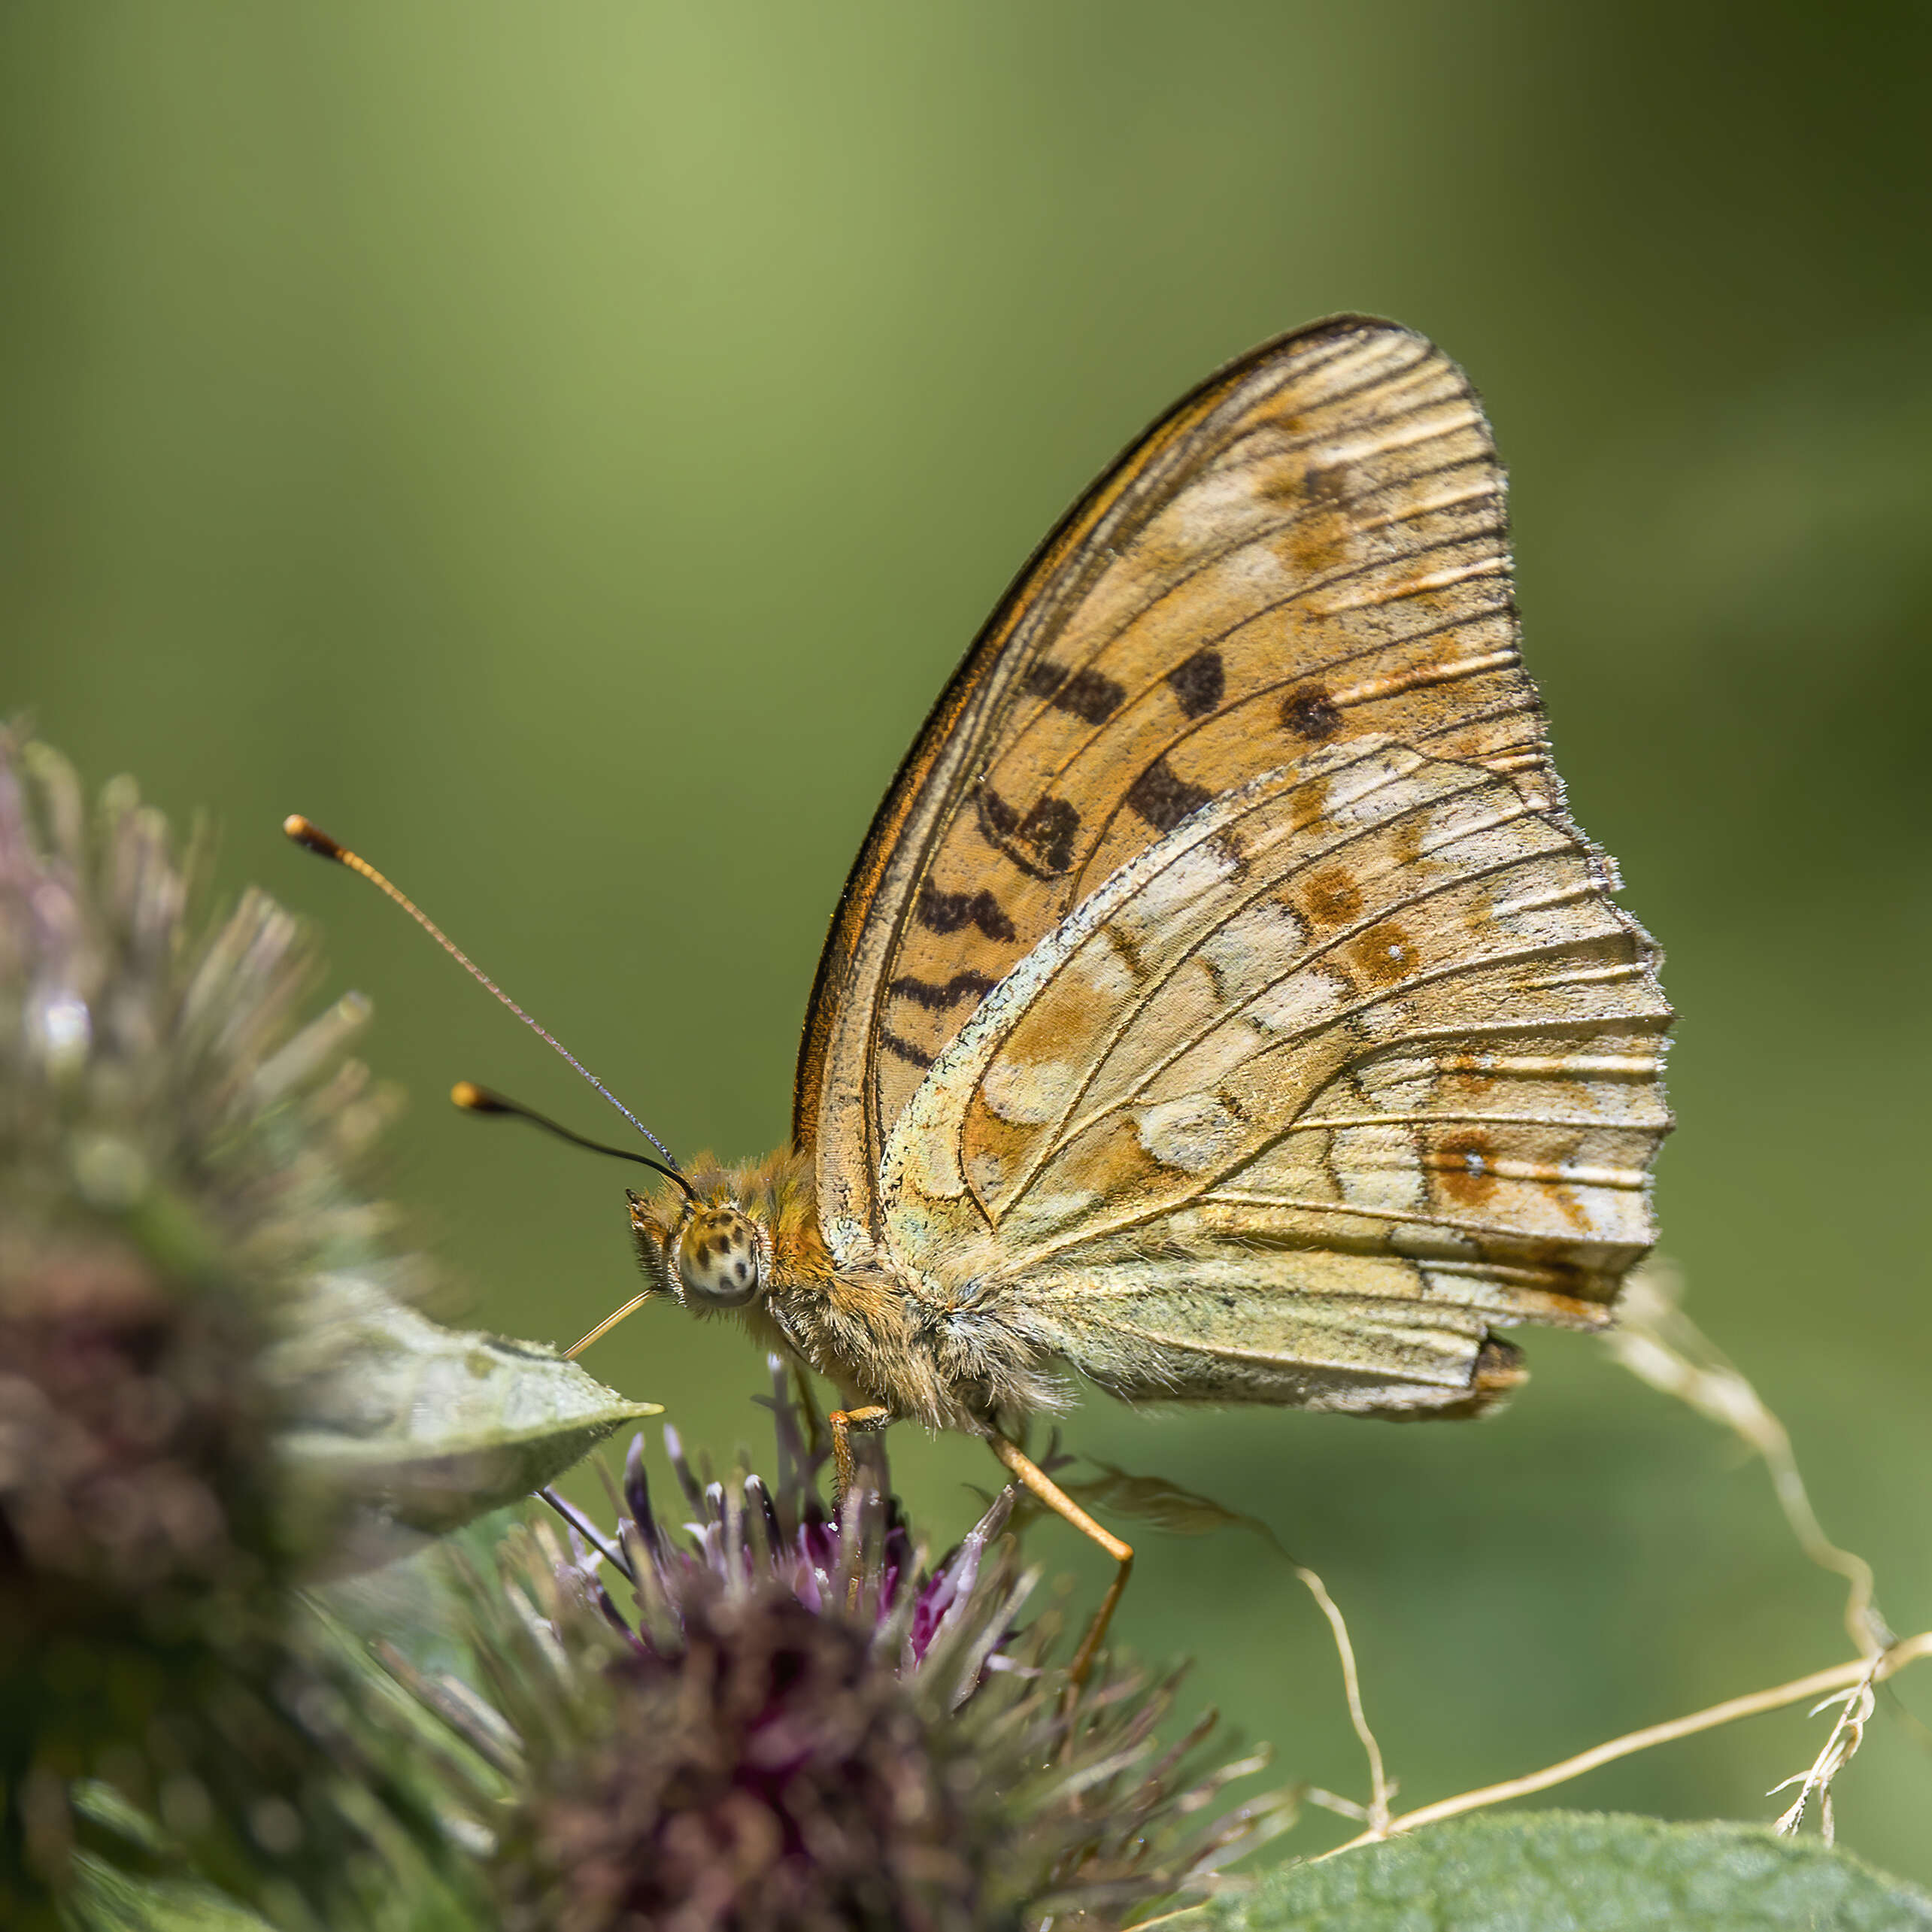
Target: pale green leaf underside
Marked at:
431, 1426
1579, 1872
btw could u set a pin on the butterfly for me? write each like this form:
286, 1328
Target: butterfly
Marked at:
1223, 1004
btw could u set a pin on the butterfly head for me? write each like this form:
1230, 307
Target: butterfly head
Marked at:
707, 1253
717, 1254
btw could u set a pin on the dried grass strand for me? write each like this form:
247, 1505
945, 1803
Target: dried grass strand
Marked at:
1380, 1790
1821, 1683
1856, 1706
1659, 1344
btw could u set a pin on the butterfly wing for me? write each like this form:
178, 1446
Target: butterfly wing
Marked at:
1356, 1062
1309, 551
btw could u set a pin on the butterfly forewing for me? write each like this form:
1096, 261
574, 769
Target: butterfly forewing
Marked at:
1311, 548
1223, 966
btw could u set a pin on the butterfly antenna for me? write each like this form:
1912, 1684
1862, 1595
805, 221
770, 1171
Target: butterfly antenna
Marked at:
314, 839
475, 1100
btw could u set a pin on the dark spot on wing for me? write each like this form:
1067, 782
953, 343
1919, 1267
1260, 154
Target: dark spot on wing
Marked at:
997, 819
1164, 799
1087, 695
904, 1049
1051, 829
1199, 684
1228, 845
1125, 950
968, 985
1326, 482
1040, 843
953, 911
1498, 1370
1498, 1366
1310, 712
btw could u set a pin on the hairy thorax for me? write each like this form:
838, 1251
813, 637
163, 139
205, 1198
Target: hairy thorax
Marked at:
881, 1336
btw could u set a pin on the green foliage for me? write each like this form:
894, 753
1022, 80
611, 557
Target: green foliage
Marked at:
1536, 1871
568, 448
429, 1426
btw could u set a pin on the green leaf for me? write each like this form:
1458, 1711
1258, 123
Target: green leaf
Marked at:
426, 1426
1582, 1872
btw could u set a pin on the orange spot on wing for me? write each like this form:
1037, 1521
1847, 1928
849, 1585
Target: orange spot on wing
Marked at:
987, 1139
1570, 1208
1410, 831
1383, 954
1309, 805
1065, 1014
1317, 543
1110, 1160
1464, 1160
1331, 897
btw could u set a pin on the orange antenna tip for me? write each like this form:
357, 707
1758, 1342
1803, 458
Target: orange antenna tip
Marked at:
475, 1099
313, 838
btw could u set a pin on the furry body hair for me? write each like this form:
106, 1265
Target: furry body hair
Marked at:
880, 1337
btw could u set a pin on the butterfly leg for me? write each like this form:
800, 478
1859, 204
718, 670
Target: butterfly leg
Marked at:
846, 1467
845, 1464
1031, 1476
609, 1322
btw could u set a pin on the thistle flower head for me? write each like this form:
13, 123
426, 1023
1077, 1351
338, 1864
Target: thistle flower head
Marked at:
174, 1147
774, 1718
749, 1536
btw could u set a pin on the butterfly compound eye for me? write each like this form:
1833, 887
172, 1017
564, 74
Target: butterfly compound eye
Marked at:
717, 1257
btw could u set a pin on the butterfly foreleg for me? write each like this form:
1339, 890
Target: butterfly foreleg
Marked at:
609, 1322
1029, 1474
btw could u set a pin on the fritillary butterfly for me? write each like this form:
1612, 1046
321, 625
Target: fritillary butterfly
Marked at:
1223, 1003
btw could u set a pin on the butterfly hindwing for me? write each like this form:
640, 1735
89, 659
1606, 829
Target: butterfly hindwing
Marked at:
1359, 1060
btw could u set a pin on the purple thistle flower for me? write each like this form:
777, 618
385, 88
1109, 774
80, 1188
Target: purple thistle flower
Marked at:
767, 1717
752, 1537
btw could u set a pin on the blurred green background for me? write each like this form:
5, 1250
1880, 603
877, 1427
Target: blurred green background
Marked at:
564, 450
